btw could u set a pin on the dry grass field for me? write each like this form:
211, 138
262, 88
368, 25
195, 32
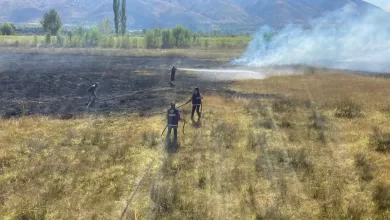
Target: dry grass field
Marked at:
320, 151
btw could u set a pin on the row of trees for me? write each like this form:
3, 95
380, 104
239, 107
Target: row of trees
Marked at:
100, 35
179, 37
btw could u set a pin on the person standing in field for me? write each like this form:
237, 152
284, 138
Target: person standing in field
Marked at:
173, 118
173, 73
92, 93
196, 100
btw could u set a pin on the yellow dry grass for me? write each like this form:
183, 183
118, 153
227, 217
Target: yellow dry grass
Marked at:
250, 159
324, 87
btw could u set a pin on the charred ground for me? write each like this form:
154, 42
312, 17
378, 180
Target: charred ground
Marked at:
56, 85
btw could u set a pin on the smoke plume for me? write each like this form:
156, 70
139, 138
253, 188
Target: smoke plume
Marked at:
343, 39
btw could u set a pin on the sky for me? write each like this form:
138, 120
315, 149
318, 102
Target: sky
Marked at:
385, 4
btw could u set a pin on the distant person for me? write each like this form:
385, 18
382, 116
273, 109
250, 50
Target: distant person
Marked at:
173, 118
173, 73
92, 92
196, 100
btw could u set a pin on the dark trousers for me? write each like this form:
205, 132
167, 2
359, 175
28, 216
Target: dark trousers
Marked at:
174, 132
92, 96
172, 77
197, 108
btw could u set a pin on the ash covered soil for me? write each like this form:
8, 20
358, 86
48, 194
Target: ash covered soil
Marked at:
56, 85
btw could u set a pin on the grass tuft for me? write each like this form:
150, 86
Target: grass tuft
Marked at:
348, 109
150, 139
381, 196
365, 167
380, 141
300, 160
285, 105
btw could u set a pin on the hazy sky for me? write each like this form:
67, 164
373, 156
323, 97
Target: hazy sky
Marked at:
385, 4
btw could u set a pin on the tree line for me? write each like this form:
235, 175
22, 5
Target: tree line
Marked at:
103, 35
179, 37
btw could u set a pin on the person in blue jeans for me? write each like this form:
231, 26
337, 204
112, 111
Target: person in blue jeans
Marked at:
173, 118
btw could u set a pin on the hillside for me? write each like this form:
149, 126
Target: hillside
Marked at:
167, 13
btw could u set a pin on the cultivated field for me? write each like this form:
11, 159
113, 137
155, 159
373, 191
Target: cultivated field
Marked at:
309, 146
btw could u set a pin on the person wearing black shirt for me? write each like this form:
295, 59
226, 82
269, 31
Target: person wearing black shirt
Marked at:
173, 73
173, 118
196, 100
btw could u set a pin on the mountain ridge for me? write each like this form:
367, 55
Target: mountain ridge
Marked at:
196, 14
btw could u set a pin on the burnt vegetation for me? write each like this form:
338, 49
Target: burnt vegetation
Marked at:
56, 85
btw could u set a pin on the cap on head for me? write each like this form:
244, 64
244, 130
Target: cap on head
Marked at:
96, 83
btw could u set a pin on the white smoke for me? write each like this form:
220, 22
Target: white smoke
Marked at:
342, 39
384, 4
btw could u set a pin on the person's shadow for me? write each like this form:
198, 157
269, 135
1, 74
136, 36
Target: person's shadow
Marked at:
196, 124
171, 146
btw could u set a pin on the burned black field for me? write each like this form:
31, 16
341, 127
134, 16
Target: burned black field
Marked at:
56, 85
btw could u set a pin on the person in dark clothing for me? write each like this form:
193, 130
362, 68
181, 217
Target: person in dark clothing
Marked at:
173, 118
92, 92
196, 100
173, 73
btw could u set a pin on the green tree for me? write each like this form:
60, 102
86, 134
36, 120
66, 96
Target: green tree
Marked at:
70, 34
105, 27
80, 31
182, 36
153, 38
48, 38
149, 39
92, 37
7, 29
167, 39
60, 39
116, 6
51, 22
123, 17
